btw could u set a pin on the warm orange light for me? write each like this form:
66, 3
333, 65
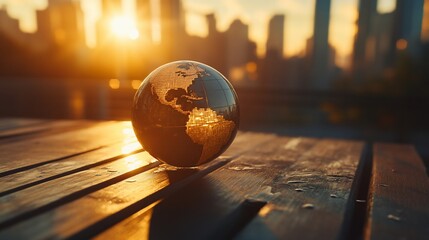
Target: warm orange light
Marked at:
114, 83
135, 84
401, 44
237, 74
251, 67
124, 27
132, 162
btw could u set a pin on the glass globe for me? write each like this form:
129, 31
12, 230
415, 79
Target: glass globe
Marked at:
185, 113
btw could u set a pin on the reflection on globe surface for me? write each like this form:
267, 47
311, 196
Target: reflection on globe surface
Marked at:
185, 113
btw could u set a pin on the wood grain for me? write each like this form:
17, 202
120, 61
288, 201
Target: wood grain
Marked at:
43, 129
399, 194
18, 156
24, 179
270, 174
207, 209
313, 194
99, 207
13, 123
19, 204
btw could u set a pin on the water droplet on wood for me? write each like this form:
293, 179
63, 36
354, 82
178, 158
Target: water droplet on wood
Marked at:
296, 181
242, 168
130, 180
393, 217
299, 189
307, 206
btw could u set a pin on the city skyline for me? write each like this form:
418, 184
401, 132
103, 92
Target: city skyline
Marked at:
298, 27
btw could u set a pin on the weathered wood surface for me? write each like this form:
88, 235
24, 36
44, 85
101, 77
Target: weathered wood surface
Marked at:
17, 156
33, 176
33, 128
14, 123
399, 194
76, 217
280, 177
82, 179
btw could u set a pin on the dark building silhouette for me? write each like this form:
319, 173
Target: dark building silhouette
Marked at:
425, 24
61, 23
319, 59
367, 12
239, 51
9, 27
275, 36
273, 68
383, 37
408, 26
214, 45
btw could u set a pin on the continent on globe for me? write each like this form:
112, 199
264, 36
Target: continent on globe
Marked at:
185, 113
207, 128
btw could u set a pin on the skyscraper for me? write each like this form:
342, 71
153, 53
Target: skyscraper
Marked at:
320, 47
61, 23
408, 25
172, 27
367, 13
275, 39
425, 26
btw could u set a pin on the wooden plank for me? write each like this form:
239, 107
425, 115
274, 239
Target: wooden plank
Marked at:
21, 180
18, 156
281, 176
12, 123
43, 129
399, 194
200, 207
313, 194
16, 205
118, 200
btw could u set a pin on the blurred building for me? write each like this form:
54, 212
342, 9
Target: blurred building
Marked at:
383, 37
214, 45
273, 70
425, 25
408, 26
238, 51
61, 24
172, 28
275, 38
319, 55
144, 20
9, 28
367, 12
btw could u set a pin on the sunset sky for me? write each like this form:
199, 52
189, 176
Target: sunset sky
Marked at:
256, 13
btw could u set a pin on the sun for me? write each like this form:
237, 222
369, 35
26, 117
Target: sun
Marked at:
124, 28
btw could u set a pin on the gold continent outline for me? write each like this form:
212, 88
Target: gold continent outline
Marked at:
169, 78
205, 127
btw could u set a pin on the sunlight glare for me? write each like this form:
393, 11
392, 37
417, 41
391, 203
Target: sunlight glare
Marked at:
132, 162
124, 27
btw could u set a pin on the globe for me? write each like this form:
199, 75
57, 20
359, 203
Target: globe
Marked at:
185, 113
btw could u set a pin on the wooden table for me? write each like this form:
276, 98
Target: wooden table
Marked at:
83, 179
